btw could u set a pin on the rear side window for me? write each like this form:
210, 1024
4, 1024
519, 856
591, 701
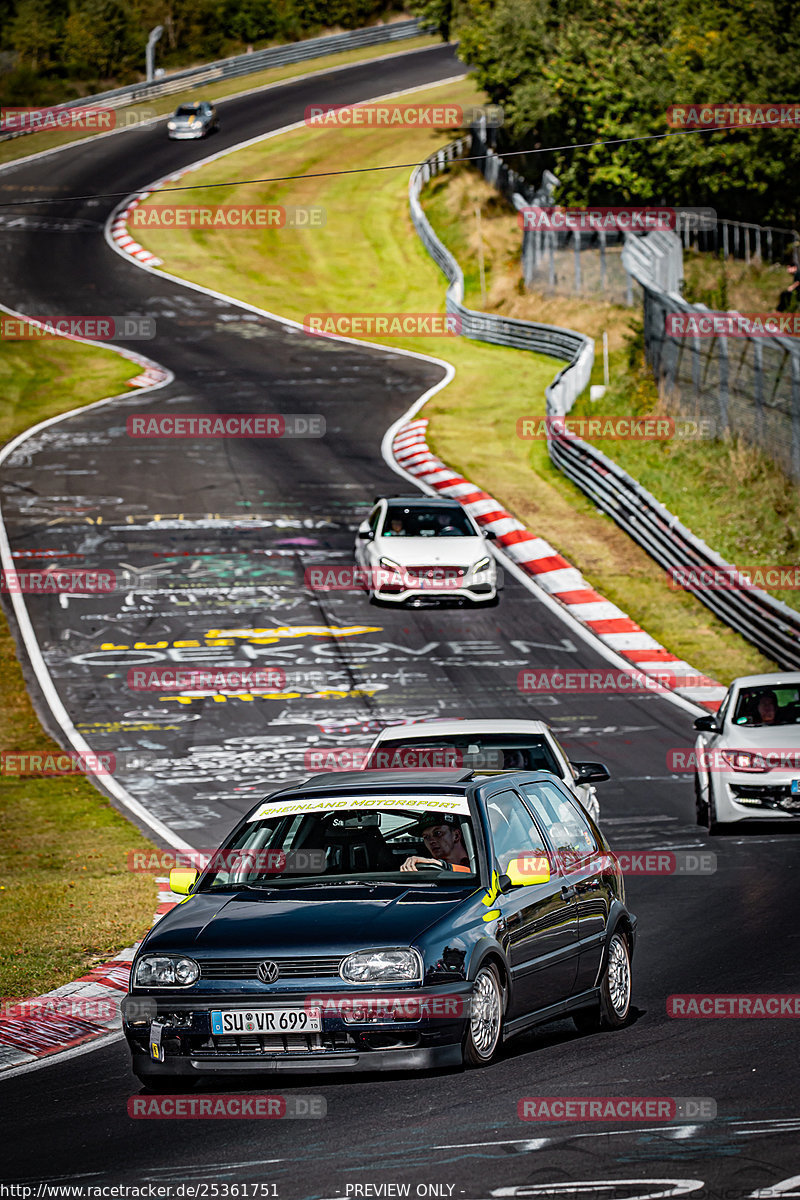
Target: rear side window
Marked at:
567, 828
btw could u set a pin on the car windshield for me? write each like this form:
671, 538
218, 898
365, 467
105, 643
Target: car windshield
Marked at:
417, 521
187, 110
321, 841
776, 704
479, 751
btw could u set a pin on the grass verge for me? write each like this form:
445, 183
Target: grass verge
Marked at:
162, 106
368, 257
67, 900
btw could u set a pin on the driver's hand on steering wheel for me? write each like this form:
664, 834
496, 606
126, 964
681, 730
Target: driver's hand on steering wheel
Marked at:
411, 863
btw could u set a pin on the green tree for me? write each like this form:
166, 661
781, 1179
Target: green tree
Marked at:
32, 33
437, 14
571, 75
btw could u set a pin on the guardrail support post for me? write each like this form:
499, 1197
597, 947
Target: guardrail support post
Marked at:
796, 416
722, 347
758, 391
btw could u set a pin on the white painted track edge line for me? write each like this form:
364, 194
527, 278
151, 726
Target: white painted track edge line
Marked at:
106, 783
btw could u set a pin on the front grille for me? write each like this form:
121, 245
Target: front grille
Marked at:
323, 967
287, 1043
443, 574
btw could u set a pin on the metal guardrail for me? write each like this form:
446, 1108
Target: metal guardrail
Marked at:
240, 64
576, 348
766, 622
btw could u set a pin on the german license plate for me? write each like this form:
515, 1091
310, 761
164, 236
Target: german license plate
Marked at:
236, 1021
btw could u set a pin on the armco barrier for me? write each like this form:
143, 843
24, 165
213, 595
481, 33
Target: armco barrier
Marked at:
575, 348
770, 625
242, 64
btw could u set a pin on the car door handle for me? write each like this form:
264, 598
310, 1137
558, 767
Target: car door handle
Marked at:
568, 892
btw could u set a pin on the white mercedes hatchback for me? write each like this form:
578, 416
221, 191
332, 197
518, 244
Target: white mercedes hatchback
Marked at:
414, 549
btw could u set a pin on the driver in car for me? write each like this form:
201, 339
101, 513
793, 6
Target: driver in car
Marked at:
441, 836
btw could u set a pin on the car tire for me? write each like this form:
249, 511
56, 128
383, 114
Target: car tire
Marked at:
615, 990
712, 824
700, 804
485, 1025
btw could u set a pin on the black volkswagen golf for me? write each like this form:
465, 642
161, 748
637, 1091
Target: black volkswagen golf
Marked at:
384, 921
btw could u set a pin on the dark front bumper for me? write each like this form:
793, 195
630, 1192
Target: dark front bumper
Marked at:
190, 1047
418, 1059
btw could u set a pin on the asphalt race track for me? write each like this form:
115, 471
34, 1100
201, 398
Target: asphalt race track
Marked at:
213, 538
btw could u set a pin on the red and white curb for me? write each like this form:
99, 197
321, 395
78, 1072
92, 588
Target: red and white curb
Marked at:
72, 1015
120, 234
149, 376
118, 229
552, 572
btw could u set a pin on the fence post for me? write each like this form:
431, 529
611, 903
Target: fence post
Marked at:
725, 239
747, 245
758, 391
577, 245
724, 372
603, 259
795, 415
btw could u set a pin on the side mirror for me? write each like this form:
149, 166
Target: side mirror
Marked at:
524, 870
706, 724
182, 880
490, 535
591, 772
366, 535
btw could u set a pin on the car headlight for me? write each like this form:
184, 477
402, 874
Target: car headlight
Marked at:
382, 966
483, 565
156, 970
745, 760
387, 565
172, 125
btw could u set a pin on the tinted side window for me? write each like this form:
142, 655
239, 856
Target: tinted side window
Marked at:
513, 829
566, 826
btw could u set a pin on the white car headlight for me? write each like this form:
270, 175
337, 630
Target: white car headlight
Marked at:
172, 125
156, 970
382, 966
386, 564
483, 565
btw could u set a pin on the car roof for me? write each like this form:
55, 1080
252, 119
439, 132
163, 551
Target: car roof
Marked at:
422, 501
452, 725
398, 783
772, 678
361, 781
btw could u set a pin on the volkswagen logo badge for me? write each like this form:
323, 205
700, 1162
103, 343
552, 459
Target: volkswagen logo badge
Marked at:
268, 972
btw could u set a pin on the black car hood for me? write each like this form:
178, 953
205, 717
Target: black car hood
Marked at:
315, 920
